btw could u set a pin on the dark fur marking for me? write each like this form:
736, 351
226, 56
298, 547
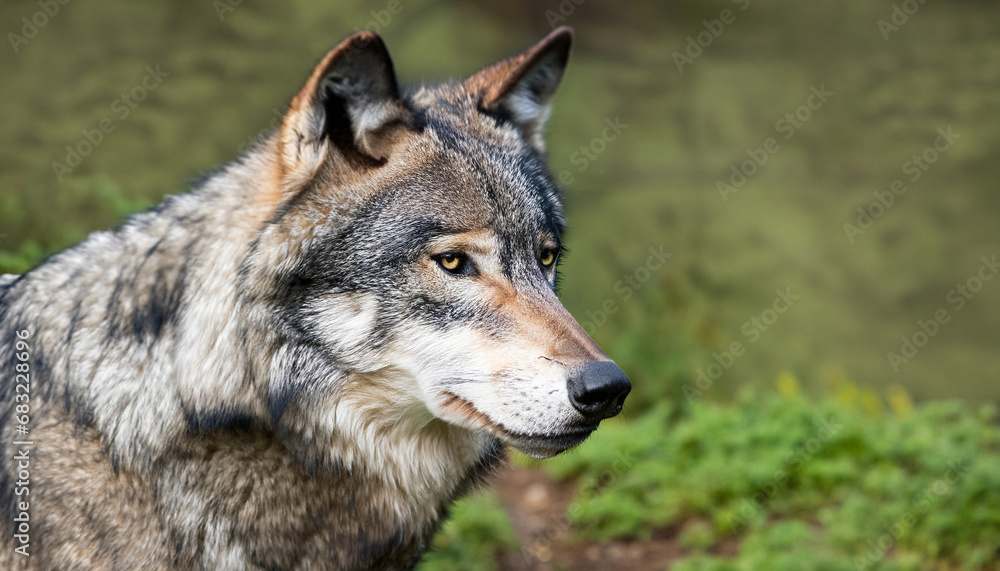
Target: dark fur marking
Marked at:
220, 420
83, 415
114, 320
162, 307
74, 321
306, 365
147, 318
41, 371
446, 133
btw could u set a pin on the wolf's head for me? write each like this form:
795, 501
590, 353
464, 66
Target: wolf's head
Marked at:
411, 260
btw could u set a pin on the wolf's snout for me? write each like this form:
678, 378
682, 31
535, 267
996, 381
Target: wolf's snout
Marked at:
598, 390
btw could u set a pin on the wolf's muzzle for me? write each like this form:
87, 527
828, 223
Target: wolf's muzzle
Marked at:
598, 390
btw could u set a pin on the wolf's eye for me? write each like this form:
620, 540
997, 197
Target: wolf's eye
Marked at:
547, 258
452, 262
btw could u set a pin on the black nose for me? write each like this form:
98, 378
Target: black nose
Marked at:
598, 390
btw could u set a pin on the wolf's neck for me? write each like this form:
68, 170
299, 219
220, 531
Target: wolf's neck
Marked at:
386, 519
139, 331
366, 453
373, 427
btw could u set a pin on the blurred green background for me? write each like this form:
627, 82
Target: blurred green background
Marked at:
696, 89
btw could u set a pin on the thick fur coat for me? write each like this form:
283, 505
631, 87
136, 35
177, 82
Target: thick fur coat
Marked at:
305, 360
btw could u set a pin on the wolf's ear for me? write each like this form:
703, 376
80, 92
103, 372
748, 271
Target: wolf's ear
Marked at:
521, 88
349, 104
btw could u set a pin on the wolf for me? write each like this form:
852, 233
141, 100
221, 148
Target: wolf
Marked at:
302, 362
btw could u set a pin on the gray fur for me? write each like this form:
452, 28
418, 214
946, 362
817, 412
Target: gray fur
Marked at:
272, 370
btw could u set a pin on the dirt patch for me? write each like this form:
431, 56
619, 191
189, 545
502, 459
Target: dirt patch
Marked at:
537, 507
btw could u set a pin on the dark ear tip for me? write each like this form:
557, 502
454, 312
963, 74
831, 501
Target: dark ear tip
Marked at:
562, 36
562, 31
559, 41
362, 55
363, 41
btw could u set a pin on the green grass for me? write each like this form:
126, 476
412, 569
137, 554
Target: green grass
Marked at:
472, 539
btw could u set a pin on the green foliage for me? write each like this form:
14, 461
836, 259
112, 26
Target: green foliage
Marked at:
800, 484
80, 202
473, 538
21, 260
782, 546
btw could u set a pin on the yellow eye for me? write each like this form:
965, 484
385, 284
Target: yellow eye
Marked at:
548, 258
451, 262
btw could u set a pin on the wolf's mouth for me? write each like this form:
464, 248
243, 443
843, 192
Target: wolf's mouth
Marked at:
546, 445
539, 445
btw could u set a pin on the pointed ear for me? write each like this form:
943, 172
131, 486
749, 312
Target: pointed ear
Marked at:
522, 87
349, 105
